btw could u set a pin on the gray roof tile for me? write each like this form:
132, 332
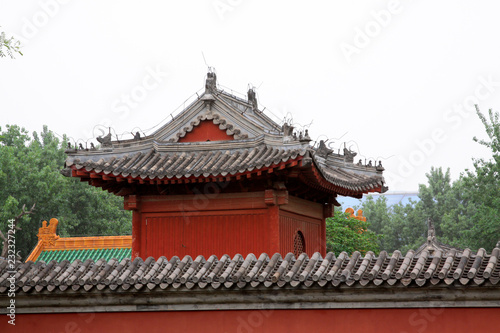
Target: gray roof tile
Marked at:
258, 143
276, 271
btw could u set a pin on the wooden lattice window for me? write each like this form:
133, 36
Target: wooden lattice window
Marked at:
299, 244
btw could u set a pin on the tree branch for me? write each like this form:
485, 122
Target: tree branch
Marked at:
5, 246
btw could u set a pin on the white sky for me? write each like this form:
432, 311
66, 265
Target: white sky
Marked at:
382, 76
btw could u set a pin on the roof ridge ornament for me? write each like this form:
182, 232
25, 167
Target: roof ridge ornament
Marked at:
252, 97
105, 141
288, 134
431, 232
47, 234
432, 245
305, 137
323, 150
287, 129
349, 155
431, 236
211, 82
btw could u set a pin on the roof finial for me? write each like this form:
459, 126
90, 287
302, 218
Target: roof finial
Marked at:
252, 98
431, 232
287, 129
211, 82
431, 236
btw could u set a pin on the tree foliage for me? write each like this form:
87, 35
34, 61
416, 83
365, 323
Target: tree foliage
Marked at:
9, 46
30, 174
483, 186
345, 233
465, 212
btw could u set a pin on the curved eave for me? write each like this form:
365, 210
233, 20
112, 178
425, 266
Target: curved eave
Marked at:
315, 178
100, 179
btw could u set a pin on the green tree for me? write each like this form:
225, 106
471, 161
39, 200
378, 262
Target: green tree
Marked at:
30, 174
9, 46
401, 225
483, 184
465, 212
344, 233
377, 212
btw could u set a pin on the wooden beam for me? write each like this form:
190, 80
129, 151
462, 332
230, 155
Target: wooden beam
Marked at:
124, 191
107, 186
97, 182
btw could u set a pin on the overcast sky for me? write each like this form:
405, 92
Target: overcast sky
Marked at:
395, 81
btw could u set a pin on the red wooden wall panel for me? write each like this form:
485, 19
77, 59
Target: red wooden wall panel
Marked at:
205, 233
310, 228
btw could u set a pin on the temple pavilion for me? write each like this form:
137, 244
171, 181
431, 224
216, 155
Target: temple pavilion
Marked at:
223, 178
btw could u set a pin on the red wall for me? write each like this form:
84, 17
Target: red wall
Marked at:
224, 223
432, 320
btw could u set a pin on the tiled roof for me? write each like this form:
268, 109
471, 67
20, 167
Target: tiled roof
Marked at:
84, 254
394, 270
259, 143
153, 165
347, 178
192, 163
52, 247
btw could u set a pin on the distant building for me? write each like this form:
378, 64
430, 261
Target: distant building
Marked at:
393, 198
